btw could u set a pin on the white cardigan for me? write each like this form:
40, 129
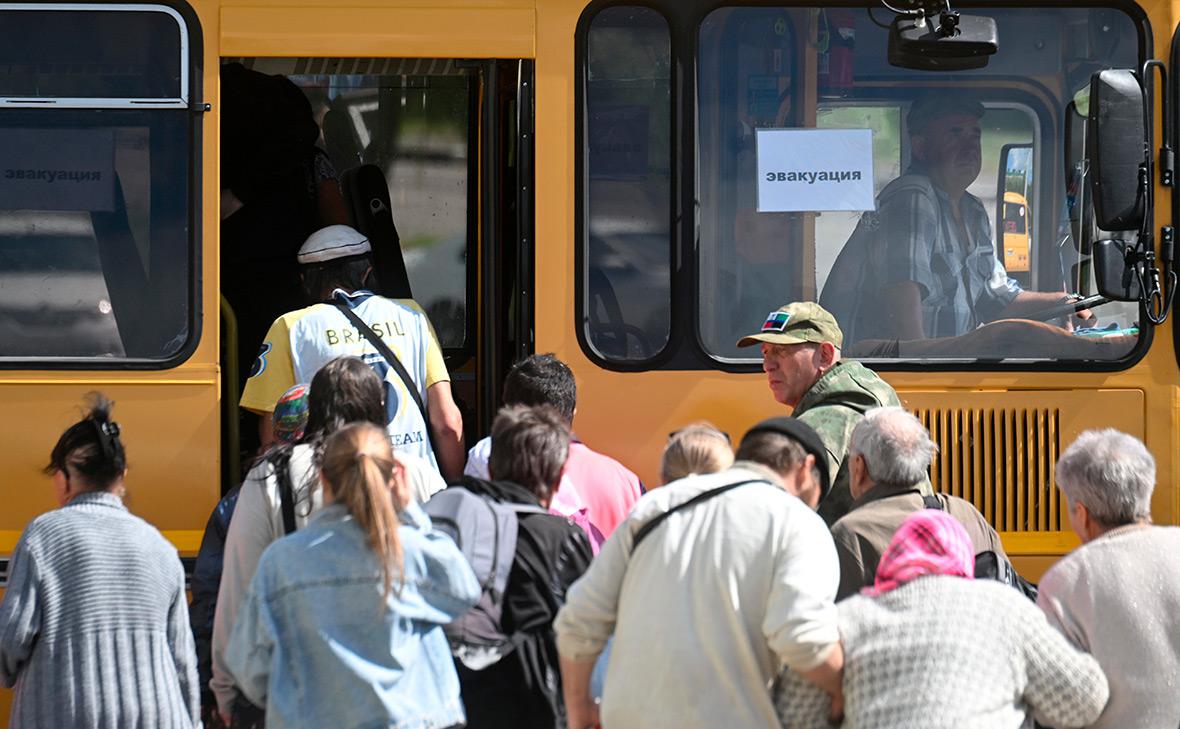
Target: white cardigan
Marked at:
943, 652
1118, 597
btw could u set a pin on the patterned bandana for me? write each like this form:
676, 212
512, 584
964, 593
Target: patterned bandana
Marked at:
928, 542
290, 415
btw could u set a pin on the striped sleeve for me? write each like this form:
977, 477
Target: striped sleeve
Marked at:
184, 654
20, 613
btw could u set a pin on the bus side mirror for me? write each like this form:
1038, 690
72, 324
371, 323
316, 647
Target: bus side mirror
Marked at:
1117, 148
1116, 278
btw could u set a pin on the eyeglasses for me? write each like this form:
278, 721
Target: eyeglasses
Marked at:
705, 429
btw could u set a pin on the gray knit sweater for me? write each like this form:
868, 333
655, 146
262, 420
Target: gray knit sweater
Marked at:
949, 653
94, 624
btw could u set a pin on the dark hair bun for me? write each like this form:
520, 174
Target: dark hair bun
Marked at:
91, 448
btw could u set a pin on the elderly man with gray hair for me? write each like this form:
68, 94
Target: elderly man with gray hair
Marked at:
1118, 595
888, 457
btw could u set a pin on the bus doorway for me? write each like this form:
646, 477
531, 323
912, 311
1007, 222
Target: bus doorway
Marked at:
429, 158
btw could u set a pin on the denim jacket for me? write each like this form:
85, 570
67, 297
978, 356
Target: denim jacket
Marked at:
315, 645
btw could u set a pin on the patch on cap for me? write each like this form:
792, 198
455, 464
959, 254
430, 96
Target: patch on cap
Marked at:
776, 321
332, 242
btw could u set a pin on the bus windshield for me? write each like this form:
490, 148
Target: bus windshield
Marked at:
827, 174
939, 215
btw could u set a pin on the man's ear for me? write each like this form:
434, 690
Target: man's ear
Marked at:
814, 490
825, 356
856, 468
808, 463
918, 147
1085, 519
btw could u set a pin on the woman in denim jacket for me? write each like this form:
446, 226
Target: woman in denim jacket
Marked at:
342, 624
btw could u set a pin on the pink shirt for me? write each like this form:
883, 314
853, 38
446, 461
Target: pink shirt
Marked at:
605, 488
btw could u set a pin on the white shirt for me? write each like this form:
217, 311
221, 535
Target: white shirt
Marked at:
300, 342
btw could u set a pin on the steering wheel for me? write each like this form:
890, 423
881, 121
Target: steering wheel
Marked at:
1067, 308
611, 333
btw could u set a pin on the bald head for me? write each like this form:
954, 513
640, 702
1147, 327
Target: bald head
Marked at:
895, 448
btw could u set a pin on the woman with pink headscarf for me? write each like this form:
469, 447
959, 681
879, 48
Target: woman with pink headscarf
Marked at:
929, 646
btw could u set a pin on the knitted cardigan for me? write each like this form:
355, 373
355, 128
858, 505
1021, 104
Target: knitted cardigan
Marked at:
951, 653
94, 625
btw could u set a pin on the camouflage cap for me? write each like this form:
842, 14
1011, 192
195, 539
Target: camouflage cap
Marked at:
802, 321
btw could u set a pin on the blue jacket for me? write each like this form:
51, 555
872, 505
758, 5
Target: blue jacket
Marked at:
206, 582
315, 645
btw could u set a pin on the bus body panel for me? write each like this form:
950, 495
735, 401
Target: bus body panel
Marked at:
452, 30
170, 417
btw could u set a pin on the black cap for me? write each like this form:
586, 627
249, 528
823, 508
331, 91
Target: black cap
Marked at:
804, 435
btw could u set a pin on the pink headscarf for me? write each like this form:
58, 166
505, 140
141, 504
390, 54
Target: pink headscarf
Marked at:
928, 542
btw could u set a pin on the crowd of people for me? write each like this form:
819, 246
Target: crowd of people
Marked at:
367, 572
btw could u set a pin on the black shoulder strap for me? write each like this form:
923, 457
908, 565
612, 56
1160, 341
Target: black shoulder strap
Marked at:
931, 501
384, 350
286, 495
703, 496
387, 353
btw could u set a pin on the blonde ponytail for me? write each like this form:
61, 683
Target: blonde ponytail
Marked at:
357, 466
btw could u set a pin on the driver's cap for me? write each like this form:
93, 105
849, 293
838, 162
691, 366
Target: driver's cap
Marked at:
938, 105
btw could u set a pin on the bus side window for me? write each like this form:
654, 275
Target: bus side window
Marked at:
626, 239
96, 247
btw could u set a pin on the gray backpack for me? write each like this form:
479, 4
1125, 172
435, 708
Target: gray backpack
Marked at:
485, 532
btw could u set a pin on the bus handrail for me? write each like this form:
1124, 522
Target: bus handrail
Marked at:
229, 385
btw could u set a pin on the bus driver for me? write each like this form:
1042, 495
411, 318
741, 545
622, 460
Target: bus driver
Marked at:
927, 263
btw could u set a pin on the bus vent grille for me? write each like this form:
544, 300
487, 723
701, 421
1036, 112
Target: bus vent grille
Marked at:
1001, 460
410, 67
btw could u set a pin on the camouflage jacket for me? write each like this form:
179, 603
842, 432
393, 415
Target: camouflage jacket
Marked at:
833, 406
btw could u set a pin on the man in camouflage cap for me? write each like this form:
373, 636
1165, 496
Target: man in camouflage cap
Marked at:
801, 357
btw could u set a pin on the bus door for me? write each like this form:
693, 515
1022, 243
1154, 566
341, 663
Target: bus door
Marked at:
431, 159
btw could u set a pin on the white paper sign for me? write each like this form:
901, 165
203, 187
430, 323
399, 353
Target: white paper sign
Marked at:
57, 169
803, 170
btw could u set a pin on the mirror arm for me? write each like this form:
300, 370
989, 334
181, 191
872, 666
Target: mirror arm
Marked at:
1157, 288
1167, 158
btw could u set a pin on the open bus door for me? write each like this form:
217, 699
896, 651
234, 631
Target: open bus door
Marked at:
434, 161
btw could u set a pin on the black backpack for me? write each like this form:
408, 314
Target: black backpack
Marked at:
988, 564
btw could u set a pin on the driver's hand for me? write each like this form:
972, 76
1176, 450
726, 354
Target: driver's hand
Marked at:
1083, 318
1079, 320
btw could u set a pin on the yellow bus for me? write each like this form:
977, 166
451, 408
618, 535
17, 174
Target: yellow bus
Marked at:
1016, 232
583, 178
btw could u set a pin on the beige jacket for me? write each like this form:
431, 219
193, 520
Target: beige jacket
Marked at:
708, 608
863, 534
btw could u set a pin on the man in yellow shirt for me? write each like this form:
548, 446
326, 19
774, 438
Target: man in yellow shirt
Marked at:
334, 265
